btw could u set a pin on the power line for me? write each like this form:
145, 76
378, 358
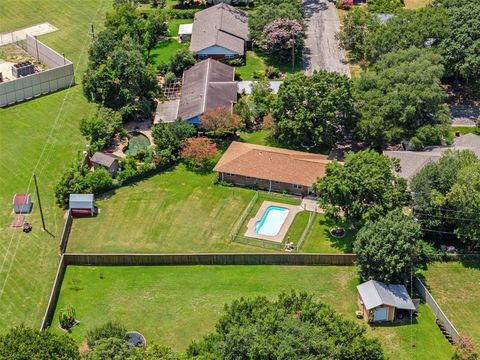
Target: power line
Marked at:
446, 217
40, 158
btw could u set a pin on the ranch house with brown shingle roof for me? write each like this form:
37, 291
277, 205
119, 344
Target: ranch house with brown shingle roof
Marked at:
272, 169
220, 32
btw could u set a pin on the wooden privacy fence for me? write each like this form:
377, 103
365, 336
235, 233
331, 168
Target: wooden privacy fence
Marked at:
437, 310
67, 227
52, 301
208, 259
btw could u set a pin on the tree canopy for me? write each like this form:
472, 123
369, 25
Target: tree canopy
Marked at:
292, 327
314, 110
20, 343
461, 45
357, 27
446, 197
387, 249
364, 188
399, 95
269, 10
420, 28
220, 122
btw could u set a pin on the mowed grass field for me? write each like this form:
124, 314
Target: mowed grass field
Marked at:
456, 287
174, 305
175, 211
40, 135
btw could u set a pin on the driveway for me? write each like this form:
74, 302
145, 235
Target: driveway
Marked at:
464, 115
322, 50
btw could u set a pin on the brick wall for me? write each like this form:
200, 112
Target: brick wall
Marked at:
263, 184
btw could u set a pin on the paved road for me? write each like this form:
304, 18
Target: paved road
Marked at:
464, 115
321, 48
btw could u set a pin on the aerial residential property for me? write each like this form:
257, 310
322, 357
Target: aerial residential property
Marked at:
228, 179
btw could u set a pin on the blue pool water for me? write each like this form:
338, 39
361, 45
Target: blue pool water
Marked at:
271, 221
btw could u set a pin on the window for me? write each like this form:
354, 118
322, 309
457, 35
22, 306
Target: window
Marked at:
230, 56
228, 174
276, 182
296, 186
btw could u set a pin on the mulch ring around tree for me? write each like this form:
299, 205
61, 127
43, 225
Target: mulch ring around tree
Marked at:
338, 232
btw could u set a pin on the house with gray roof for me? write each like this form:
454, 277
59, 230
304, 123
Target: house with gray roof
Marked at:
220, 32
411, 162
207, 85
107, 161
383, 302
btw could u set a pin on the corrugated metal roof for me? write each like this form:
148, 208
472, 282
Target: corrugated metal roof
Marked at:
81, 198
375, 294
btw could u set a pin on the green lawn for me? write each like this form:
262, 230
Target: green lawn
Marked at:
319, 239
173, 25
463, 130
43, 130
176, 211
174, 305
164, 51
456, 287
259, 137
258, 62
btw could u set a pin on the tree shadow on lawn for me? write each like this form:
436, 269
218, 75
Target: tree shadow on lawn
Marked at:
396, 323
343, 244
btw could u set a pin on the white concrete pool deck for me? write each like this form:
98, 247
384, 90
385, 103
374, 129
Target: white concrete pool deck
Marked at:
293, 211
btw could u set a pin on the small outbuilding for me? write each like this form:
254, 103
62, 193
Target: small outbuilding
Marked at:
384, 302
22, 204
81, 205
108, 161
185, 32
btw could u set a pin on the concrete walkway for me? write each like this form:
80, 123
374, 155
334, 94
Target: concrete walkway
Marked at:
21, 34
322, 50
311, 205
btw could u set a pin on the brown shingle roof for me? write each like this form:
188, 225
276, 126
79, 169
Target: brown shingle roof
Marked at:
270, 163
206, 86
221, 25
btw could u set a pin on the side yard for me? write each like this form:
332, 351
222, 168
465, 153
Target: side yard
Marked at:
174, 305
48, 124
455, 286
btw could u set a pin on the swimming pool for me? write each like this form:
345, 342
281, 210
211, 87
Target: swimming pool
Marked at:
271, 221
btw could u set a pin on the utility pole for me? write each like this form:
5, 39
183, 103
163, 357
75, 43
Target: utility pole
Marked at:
39, 202
93, 33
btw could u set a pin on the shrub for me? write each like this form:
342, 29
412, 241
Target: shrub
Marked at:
182, 14
169, 77
181, 61
110, 329
198, 152
235, 62
384, 6
66, 317
99, 180
272, 72
258, 74
220, 122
